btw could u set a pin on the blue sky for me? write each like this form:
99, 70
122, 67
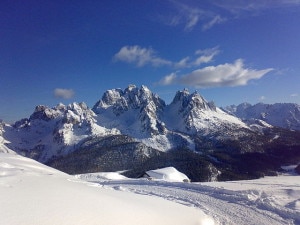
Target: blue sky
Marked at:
230, 51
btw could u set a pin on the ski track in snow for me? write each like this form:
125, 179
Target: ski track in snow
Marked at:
224, 206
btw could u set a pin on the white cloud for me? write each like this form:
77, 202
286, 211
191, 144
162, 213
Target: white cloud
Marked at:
140, 56
186, 15
215, 20
213, 12
169, 79
190, 16
206, 55
183, 63
294, 95
241, 6
63, 93
147, 56
200, 57
217, 76
203, 59
192, 19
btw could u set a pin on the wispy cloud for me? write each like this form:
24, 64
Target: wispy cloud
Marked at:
169, 79
63, 93
215, 20
140, 56
193, 14
200, 57
185, 62
192, 19
189, 16
184, 14
147, 56
227, 74
242, 6
206, 55
294, 95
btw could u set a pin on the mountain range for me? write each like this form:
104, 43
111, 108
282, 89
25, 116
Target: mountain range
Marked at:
134, 130
285, 115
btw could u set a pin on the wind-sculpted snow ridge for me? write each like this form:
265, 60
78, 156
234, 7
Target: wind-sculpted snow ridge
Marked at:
54, 131
285, 115
32, 193
270, 200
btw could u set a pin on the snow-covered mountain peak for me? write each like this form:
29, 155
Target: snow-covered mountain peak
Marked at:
54, 131
187, 101
181, 96
135, 111
45, 113
72, 113
140, 113
131, 87
192, 113
131, 98
78, 113
109, 98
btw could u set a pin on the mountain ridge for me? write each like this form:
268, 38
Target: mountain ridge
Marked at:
285, 115
134, 129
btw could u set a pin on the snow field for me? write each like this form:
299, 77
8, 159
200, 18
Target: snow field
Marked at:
34, 194
270, 200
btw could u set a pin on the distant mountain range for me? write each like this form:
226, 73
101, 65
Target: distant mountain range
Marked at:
285, 115
135, 130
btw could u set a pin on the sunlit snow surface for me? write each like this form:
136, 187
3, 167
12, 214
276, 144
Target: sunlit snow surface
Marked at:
270, 200
34, 194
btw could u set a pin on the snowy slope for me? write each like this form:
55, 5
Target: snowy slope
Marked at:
265, 201
33, 194
286, 115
